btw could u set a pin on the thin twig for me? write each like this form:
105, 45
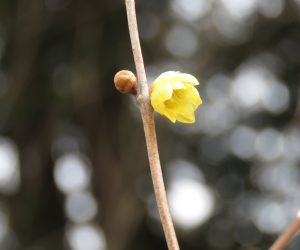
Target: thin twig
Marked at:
284, 239
149, 129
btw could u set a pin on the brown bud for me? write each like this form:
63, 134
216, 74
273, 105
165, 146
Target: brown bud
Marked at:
125, 81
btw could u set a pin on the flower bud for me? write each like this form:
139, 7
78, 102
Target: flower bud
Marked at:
125, 81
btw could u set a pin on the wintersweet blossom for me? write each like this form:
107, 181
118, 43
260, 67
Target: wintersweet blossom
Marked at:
174, 96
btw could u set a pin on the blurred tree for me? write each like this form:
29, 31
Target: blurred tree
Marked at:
58, 58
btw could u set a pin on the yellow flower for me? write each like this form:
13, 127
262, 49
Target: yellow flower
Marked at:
174, 96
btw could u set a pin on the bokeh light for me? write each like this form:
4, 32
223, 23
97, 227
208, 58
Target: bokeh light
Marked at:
72, 173
9, 166
269, 144
242, 141
73, 164
292, 144
282, 178
271, 8
249, 88
181, 41
270, 216
239, 10
86, 237
191, 10
233, 31
80, 207
191, 201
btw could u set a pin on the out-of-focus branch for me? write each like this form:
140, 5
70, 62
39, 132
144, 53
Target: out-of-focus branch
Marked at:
26, 43
149, 129
284, 239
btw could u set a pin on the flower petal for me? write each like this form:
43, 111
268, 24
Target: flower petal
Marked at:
187, 78
166, 76
187, 114
161, 92
178, 85
194, 96
170, 115
188, 118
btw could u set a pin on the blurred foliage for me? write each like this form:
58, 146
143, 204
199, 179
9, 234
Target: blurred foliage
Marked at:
233, 176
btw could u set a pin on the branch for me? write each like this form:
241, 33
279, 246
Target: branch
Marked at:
149, 129
284, 239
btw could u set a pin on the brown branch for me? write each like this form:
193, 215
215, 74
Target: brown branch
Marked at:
284, 239
149, 129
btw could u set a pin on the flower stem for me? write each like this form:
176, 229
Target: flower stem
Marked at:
149, 129
284, 239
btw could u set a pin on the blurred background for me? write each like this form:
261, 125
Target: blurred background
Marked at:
74, 173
